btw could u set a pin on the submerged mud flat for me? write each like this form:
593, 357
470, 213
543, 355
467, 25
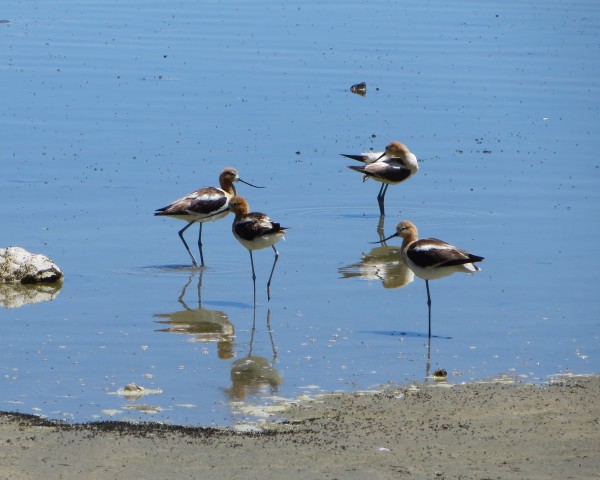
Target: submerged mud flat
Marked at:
479, 430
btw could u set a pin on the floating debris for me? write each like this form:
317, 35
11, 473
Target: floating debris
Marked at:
359, 88
133, 391
132, 387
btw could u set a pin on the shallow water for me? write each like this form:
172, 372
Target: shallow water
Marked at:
112, 111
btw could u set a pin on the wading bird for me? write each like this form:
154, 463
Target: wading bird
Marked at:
204, 205
395, 165
255, 231
430, 258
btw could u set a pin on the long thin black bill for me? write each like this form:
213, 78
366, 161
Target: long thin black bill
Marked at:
386, 239
243, 181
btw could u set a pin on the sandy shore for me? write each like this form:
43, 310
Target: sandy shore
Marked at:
477, 431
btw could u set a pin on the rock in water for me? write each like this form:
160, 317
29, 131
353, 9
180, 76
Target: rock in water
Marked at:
17, 265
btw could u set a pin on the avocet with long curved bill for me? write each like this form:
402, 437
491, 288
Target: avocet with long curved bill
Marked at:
255, 230
430, 258
204, 205
395, 165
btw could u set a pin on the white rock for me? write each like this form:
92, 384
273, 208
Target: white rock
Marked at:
17, 265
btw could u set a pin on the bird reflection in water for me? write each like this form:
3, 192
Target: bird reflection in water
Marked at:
253, 374
381, 263
207, 326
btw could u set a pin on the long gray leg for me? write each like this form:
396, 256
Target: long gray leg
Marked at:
185, 243
200, 245
429, 305
253, 276
272, 270
381, 198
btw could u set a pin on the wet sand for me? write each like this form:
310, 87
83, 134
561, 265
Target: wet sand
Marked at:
475, 431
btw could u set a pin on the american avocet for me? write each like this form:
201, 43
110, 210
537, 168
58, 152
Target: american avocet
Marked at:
366, 157
430, 258
254, 231
396, 164
204, 205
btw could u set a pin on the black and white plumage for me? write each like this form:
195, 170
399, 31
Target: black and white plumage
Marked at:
255, 230
366, 157
204, 205
430, 258
390, 167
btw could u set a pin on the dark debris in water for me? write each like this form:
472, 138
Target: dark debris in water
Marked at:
359, 88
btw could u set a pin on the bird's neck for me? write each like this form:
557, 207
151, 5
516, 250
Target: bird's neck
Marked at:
240, 212
228, 187
407, 242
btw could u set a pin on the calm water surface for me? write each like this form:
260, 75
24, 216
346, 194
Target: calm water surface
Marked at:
111, 111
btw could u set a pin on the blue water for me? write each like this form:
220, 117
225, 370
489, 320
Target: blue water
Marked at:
111, 111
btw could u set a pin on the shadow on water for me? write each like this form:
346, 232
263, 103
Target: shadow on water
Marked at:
397, 333
176, 268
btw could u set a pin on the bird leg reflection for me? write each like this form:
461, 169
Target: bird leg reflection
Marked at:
206, 326
271, 335
380, 228
184, 290
428, 365
251, 374
253, 331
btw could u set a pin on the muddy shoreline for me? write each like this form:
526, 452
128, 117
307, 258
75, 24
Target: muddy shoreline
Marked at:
478, 431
